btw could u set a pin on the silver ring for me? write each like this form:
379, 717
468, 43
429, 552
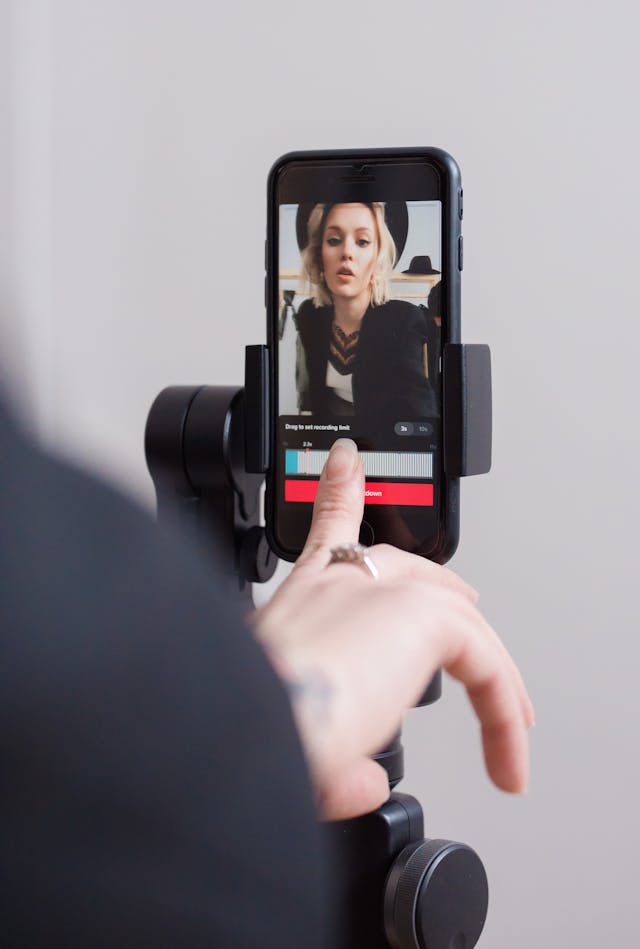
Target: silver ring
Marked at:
354, 553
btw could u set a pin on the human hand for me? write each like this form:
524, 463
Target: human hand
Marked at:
356, 653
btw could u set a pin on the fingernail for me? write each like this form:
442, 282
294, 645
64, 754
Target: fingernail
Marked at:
342, 460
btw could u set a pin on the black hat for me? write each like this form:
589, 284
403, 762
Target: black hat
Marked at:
421, 265
396, 218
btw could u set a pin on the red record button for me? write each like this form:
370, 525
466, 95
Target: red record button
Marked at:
375, 492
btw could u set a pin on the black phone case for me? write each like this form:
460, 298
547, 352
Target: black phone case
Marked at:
451, 196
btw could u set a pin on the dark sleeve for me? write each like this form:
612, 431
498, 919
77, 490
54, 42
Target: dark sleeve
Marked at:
304, 325
307, 320
154, 788
418, 391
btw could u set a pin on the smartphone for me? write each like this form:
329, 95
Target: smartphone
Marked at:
363, 264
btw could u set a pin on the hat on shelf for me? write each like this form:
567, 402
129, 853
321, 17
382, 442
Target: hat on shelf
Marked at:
421, 266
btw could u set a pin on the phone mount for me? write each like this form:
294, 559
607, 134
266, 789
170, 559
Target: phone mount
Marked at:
207, 453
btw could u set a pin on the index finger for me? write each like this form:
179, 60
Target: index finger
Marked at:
338, 507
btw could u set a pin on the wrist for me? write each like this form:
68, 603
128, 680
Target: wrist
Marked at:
313, 697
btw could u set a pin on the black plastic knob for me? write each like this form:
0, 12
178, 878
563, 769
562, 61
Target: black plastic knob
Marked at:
436, 897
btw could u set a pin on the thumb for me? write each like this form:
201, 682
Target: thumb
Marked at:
338, 507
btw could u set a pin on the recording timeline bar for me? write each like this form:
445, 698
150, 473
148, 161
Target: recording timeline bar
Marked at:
377, 464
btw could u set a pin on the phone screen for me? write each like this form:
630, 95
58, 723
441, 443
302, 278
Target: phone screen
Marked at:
357, 329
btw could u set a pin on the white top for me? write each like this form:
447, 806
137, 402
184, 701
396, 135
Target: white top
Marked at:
342, 385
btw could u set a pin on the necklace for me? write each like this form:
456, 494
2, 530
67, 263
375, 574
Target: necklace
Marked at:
343, 349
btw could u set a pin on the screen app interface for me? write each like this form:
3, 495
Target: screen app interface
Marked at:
359, 347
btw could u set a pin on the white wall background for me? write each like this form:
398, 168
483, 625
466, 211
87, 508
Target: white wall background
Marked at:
133, 194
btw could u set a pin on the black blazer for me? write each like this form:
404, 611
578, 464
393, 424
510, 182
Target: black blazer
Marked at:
388, 375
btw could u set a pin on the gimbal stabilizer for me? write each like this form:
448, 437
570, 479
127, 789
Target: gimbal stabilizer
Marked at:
206, 449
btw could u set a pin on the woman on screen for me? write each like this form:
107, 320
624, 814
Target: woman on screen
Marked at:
363, 352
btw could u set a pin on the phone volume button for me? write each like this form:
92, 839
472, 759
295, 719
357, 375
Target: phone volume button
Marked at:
460, 253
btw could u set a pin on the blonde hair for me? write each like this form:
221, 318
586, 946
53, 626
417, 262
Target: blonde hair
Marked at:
312, 271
